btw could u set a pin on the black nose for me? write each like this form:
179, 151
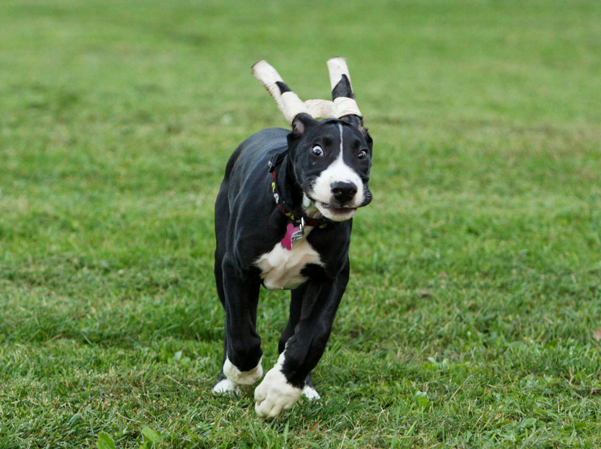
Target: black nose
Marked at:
344, 192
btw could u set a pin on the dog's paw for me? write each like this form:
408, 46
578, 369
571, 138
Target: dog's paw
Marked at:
225, 386
311, 393
242, 377
275, 394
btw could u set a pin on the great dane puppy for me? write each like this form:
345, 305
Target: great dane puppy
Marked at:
283, 220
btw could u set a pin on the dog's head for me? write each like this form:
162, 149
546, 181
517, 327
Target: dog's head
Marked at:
331, 161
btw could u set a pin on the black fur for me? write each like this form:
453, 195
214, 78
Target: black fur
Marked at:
248, 224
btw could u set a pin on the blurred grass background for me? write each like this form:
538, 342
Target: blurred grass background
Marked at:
471, 314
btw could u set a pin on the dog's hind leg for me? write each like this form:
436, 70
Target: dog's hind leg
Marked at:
242, 345
242, 360
222, 218
309, 391
223, 384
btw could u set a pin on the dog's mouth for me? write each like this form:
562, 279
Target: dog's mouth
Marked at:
333, 211
336, 213
336, 209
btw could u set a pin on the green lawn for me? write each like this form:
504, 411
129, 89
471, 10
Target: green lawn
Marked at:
470, 318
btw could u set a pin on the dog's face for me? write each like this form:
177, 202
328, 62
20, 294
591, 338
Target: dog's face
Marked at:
331, 162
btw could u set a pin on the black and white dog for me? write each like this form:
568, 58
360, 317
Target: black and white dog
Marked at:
283, 219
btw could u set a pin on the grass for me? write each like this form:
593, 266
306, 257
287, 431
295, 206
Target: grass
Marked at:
470, 318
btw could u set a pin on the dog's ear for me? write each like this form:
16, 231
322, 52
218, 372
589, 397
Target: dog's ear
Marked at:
343, 88
300, 124
343, 96
354, 120
287, 101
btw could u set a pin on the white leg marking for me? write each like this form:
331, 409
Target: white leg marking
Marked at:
310, 393
275, 394
225, 386
238, 377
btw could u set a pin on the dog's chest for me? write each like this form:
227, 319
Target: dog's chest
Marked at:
281, 268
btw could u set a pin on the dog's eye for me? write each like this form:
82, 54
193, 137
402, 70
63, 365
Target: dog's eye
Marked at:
362, 154
317, 151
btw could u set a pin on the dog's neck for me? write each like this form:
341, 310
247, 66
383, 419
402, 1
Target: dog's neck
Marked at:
292, 195
309, 208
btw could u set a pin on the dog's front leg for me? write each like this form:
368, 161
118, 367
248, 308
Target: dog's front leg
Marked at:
242, 358
284, 383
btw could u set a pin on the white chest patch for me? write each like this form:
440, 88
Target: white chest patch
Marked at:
281, 268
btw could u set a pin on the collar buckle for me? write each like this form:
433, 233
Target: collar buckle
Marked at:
300, 232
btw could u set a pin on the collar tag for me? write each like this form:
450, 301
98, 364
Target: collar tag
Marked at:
293, 234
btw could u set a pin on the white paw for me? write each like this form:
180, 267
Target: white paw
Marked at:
310, 393
275, 394
242, 377
225, 386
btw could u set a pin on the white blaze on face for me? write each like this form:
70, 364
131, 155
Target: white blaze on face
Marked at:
338, 171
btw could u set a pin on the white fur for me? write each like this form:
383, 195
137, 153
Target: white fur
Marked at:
337, 171
281, 268
310, 209
242, 377
275, 394
225, 386
310, 393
